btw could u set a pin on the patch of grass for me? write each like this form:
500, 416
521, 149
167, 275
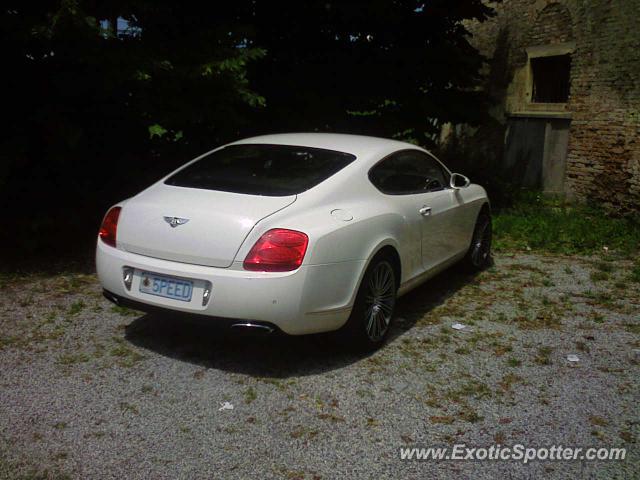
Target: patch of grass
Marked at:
408, 348
127, 357
9, 278
124, 311
302, 431
508, 381
250, 395
602, 298
599, 276
98, 350
18, 471
38, 334
627, 437
27, 301
73, 283
293, 474
7, 341
620, 285
521, 267
635, 272
372, 422
76, 307
550, 225
598, 421
364, 393
544, 318
468, 414
281, 385
514, 362
432, 401
606, 267
582, 347
632, 328
543, 356
331, 417
128, 407
73, 358
443, 419
500, 349
472, 388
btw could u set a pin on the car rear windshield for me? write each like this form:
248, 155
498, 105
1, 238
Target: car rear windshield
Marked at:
274, 170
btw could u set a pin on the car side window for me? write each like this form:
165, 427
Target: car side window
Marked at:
408, 172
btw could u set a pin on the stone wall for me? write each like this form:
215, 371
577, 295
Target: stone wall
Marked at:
603, 153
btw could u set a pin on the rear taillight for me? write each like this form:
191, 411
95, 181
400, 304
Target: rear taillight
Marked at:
109, 226
278, 250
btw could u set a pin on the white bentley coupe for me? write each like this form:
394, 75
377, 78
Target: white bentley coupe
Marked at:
300, 233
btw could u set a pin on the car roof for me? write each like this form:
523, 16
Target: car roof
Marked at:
359, 145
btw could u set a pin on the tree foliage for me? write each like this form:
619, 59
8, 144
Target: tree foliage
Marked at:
391, 68
104, 96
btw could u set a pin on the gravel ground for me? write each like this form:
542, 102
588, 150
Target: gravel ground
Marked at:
89, 390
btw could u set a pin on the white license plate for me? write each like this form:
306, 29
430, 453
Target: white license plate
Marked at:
167, 287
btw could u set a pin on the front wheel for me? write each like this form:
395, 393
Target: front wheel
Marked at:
479, 255
370, 320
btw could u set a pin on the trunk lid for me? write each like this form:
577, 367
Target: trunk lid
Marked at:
216, 224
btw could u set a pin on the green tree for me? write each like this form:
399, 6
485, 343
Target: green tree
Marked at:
384, 67
103, 97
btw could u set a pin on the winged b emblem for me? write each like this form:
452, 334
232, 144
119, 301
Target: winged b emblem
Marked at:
175, 221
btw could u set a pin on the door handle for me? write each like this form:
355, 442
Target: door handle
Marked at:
425, 211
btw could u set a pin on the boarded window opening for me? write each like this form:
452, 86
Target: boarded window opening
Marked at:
551, 79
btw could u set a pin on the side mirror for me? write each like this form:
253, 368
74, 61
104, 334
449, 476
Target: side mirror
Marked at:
459, 181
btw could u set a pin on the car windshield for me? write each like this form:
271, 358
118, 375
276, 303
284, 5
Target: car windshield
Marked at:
273, 170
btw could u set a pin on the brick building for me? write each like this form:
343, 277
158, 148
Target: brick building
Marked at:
564, 78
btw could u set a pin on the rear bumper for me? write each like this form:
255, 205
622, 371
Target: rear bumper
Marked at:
314, 298
229, 323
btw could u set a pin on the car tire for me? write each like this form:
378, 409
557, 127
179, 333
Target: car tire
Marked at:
479, 254
370, 321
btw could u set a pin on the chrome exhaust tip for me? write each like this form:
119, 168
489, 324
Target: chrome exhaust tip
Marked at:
248, 327
112, 298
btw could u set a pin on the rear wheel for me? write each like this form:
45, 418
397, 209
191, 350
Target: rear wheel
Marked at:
372, 312
479, 254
